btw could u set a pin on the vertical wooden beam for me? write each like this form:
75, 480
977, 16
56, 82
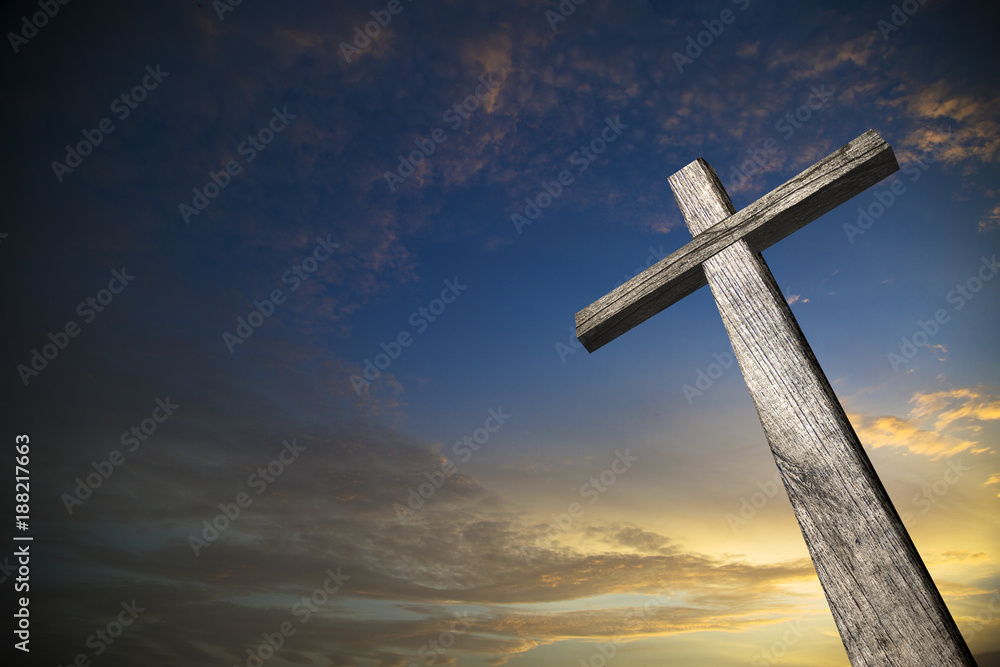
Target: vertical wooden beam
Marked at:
885, 604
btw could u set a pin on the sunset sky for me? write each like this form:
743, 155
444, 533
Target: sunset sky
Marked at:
317, 287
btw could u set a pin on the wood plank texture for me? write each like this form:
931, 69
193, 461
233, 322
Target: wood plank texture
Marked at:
886, 606
820, 188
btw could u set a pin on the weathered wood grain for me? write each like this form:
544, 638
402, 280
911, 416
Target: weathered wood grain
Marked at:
885, 604
821, 188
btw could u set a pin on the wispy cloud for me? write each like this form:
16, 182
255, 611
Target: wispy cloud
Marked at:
939, 424
993, 479
991, 220
947, 407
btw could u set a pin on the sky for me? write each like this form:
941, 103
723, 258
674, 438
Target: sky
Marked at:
289, 297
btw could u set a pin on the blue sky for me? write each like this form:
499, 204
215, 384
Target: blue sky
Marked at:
279, 130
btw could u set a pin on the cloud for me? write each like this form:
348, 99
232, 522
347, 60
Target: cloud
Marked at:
465, 550
991, 220
959, 557
896, 432
939, 424
951, 406
488, 580
827, 55
993, 479
954, 127
628, 536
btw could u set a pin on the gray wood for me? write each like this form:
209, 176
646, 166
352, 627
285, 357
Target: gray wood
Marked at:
794, 204
885, 604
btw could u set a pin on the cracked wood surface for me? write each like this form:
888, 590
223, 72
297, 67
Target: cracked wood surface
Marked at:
824, 186
884, 602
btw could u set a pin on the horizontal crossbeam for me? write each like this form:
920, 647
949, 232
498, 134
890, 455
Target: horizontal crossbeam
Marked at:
830, 182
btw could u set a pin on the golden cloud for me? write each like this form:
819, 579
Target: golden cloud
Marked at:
991, 220
954, 414
896, 432
994, 479
975, 133
956, 404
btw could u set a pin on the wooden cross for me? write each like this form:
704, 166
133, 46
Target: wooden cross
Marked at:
885, 604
